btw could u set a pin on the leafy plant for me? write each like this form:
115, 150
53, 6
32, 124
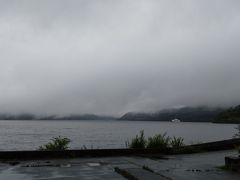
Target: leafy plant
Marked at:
139, 142
237, 135
160, 141
56, 144
176, 142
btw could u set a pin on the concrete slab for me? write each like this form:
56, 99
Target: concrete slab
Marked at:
142, 174
200, 166
197, 166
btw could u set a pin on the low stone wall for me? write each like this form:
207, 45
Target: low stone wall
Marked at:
77, 153
218, 145
24, 155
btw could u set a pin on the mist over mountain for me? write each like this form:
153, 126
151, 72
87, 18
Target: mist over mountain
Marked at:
112, 57
27, 116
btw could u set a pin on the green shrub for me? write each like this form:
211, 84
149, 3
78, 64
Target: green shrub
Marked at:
160, 141
139, 142
176, 142
56, 144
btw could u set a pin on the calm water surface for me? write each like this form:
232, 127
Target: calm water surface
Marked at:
28, 135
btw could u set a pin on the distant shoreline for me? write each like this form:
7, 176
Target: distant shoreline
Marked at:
117, 120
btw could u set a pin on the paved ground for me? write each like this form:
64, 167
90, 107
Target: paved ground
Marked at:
197, 166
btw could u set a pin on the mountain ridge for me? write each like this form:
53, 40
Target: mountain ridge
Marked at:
185, 114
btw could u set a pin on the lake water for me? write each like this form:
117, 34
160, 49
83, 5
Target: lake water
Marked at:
29, 135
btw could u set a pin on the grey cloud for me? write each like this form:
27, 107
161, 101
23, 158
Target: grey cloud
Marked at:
110, 57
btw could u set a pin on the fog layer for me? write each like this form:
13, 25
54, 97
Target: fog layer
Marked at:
111, 57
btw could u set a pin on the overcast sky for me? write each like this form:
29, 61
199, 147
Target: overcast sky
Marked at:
112, 56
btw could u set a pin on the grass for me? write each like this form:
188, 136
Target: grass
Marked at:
158, 141
177, 142
139, 142
56, 144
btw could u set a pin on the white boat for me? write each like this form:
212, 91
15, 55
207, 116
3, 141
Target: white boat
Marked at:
176, 120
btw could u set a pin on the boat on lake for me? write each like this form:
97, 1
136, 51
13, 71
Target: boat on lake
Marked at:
176, 120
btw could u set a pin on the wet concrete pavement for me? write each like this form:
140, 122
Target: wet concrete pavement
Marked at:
196, 166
